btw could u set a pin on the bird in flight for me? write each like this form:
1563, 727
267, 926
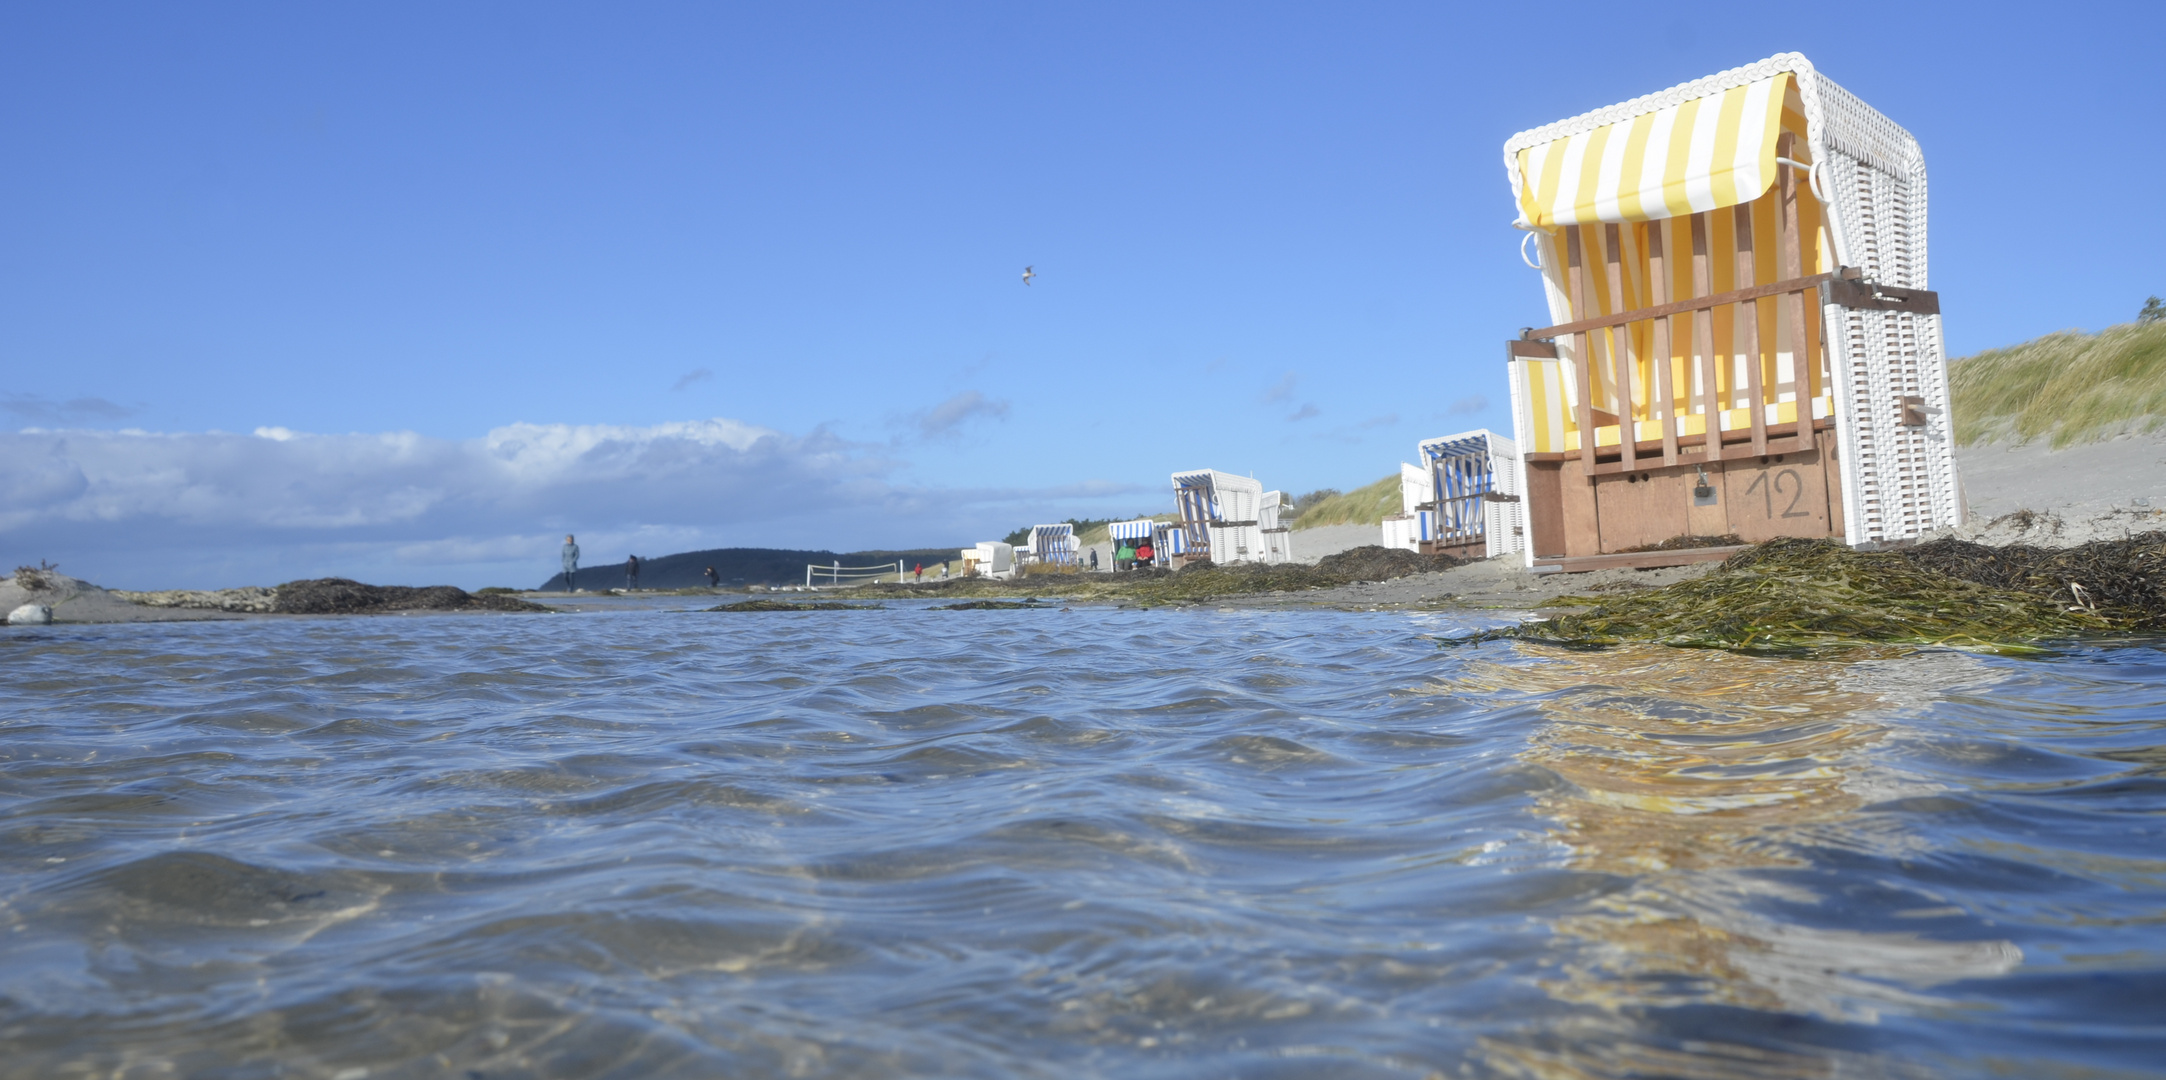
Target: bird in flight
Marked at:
1028, 273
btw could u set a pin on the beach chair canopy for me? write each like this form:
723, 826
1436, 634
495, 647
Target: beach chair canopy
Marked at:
1699, 146
1132, 530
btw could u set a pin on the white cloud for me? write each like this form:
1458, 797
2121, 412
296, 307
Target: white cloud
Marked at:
142, 509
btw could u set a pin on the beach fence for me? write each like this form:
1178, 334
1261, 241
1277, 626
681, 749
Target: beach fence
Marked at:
1221, 517
1743, 342
833, 575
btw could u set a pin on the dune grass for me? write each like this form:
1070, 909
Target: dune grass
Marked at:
2069, 387
1361, 506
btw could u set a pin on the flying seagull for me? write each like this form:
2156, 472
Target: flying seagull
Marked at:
1028, 273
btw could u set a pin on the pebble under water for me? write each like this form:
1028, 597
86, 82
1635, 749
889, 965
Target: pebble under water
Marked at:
1062, 843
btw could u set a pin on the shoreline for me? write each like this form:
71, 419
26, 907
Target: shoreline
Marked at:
2018, 494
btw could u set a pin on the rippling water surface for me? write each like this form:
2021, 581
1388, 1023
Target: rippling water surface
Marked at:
1065, 843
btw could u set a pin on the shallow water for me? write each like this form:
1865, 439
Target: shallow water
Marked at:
1065, 843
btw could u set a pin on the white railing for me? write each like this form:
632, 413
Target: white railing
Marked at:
837, 574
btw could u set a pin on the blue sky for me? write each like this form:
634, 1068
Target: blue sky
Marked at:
405, 292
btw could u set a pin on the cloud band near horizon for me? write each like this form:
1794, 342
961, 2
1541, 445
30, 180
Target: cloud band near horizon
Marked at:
212, 509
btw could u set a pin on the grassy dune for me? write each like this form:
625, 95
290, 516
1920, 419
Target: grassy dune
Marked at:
1361, 506
2070, 387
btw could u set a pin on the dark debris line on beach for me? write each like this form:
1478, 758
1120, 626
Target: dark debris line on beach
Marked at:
794, 605
340, 596
1196, 582
1789, 595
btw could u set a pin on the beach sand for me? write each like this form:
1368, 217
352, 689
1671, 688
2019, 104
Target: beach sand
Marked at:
75, 601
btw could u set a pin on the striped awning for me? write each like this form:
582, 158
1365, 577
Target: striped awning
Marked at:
1701, 154
1132, 530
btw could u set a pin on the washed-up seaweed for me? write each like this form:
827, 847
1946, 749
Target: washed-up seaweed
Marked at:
994, 605
343, 596
2125, 577
793, 605
1686, 543
1197, 582
1374, 562
1795, 595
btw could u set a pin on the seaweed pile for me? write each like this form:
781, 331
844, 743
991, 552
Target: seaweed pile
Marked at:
342, 596
1801, 595
1686, 543
1377, 563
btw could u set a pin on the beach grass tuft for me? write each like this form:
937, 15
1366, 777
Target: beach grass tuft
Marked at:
1362, 506
2069, 387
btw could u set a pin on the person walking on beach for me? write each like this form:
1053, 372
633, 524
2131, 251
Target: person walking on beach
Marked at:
631, 573
1094, 558
920, 573
571, 561
714, 580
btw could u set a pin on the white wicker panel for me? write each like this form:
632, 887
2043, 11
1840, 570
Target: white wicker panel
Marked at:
1899, 481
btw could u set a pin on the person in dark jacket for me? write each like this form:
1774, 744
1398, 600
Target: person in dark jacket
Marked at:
571, 561
631, 573
714, 580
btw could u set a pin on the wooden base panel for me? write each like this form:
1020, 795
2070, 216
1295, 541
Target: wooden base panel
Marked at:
1575, 514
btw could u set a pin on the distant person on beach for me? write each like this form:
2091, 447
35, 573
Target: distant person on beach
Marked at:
943, 571
571, 561
714, 580
1125, 557
1144, 553
1094, 558
920, 572
631, 573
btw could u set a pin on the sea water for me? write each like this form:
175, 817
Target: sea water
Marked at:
1063, 843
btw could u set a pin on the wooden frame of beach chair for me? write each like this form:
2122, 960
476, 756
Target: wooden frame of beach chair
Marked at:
1686, 240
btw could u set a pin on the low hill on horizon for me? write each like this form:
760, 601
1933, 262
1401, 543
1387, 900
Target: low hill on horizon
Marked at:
738, 567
